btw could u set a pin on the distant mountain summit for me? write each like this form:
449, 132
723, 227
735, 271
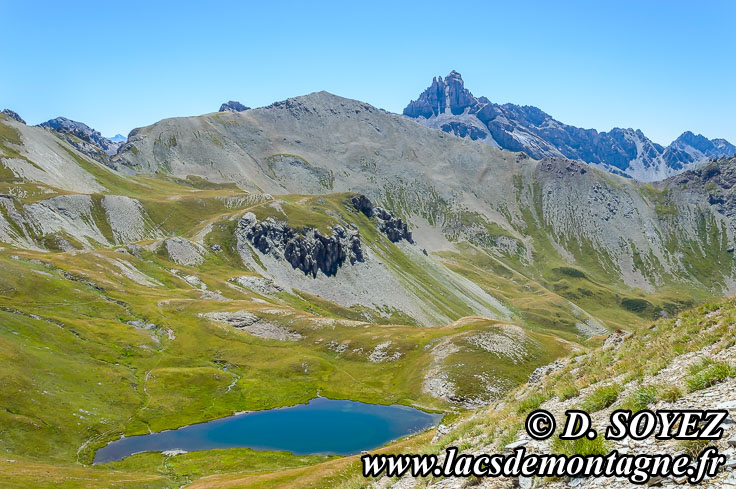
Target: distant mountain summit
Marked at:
84, 138
233, 106
447, 105
118, 138
13, 115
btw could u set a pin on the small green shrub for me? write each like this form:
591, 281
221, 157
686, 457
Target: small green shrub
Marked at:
636, 305
656, 365
531, 402
582, 446
669, 393
567, 391
506, 438
571, 272
707, 373
693, 447
641, 398
633, 376
601, 398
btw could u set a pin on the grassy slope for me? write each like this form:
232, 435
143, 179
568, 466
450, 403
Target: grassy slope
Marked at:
77, 375
539, 284
645, 352
88, 377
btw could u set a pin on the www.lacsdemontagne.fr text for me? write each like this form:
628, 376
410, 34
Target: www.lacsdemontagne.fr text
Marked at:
638, 469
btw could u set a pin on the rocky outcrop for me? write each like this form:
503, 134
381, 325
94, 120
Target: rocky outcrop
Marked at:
233, 106
253, 325
447, 105
261, 285
127, 217
74, 221
13, 115
540, 372
363, 204
183, 252
393, 227
307, 250
714, 183
615, 340
381, 354
84, 138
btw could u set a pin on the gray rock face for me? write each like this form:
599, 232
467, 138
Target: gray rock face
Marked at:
13, 115
309, 250
261, 285
443, 95
393, 227
363, 204
447, 105
716, 181
233, 106
84, 138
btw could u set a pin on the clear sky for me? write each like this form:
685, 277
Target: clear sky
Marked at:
661, 66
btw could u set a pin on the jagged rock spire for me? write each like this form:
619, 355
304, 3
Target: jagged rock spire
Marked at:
444, 95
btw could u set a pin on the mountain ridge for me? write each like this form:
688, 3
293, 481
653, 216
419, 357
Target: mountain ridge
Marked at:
84, 138
447, 105
321, 143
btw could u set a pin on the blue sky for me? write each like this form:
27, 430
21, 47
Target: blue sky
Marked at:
661, 66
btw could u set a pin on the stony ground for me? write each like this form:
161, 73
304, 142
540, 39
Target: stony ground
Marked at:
719, 396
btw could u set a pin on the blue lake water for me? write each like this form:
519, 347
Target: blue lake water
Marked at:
320, 427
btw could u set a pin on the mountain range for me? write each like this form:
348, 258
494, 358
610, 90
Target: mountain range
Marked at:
439, 184
447, 105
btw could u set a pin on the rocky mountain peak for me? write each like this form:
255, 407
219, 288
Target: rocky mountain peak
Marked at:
698, 141
710, 147
444, 95
118, 138
233, 106
13, 115
83, 138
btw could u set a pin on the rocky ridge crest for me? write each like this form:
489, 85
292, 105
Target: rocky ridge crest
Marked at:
447, 105
13, 115
84, 138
